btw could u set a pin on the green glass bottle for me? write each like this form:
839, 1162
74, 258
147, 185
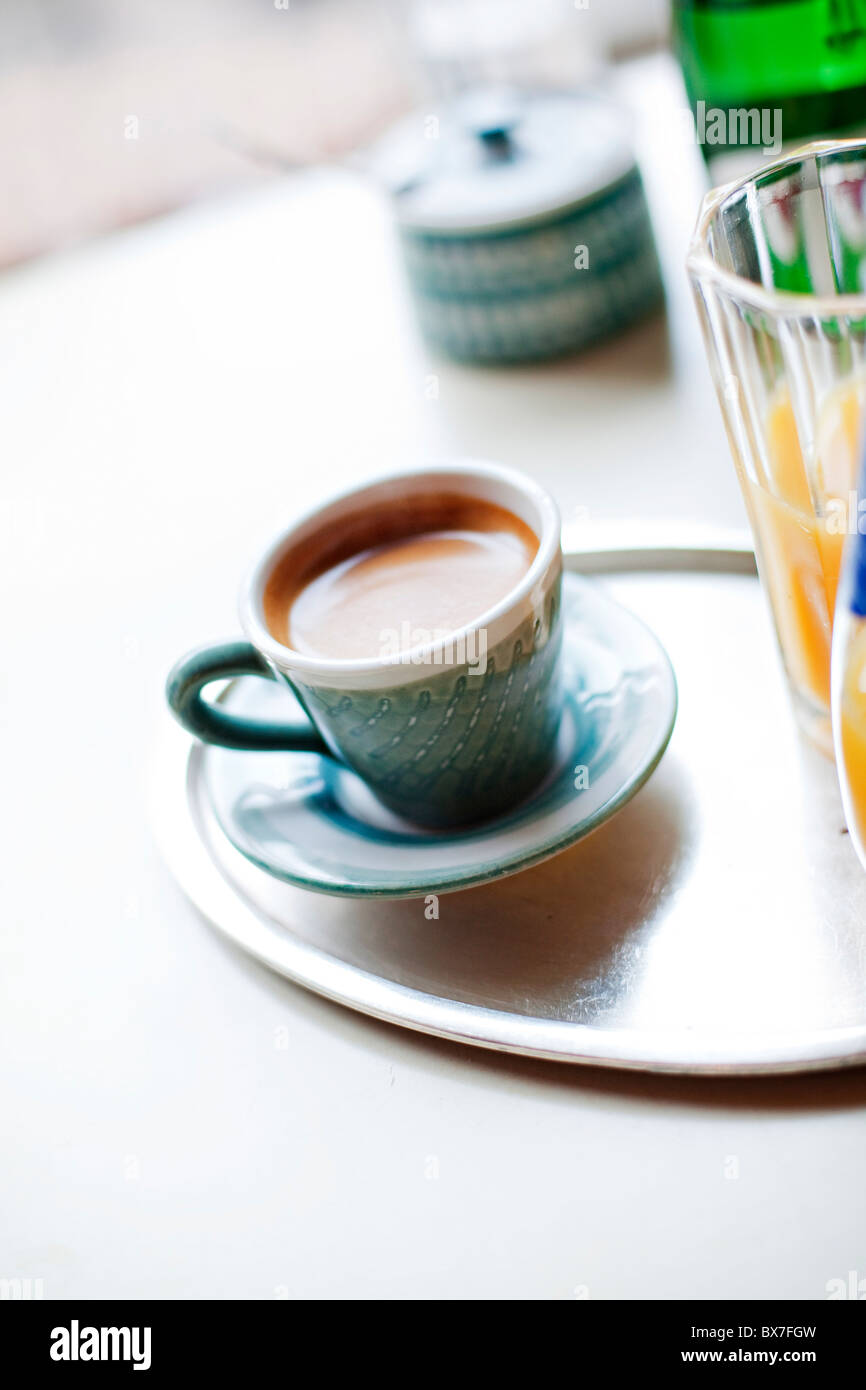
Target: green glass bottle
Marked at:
805, 59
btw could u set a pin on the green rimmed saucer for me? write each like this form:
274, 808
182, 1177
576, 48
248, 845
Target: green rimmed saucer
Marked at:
313, 823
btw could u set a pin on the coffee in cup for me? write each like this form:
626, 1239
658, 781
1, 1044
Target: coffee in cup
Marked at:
418, 622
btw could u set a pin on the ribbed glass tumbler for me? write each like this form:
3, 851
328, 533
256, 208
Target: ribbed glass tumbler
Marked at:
778, 266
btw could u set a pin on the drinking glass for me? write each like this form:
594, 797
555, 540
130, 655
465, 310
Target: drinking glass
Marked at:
778, 267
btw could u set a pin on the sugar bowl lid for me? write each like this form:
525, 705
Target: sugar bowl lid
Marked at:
494, 158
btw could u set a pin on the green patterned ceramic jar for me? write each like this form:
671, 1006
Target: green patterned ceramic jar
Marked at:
523, 224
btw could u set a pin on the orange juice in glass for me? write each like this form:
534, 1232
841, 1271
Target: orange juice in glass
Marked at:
800, 540
778, 265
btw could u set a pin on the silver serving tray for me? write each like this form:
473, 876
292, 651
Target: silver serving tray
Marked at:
716, 925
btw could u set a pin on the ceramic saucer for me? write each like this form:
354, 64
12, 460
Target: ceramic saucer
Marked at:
313, 823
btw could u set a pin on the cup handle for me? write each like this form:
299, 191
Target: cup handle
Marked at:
188, 678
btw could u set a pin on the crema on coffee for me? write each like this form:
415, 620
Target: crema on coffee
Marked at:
398, 580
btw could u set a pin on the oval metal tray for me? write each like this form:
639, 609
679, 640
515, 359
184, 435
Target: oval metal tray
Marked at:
716, 925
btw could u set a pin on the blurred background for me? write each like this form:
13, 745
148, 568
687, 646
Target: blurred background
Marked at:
111, 113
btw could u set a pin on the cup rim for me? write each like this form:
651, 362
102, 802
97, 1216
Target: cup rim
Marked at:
790, 303
416, 658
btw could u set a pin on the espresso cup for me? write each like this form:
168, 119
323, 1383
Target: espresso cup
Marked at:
451, 731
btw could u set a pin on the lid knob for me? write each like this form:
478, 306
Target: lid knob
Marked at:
491, 115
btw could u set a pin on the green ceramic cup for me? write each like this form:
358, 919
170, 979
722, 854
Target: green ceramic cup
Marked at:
445, 734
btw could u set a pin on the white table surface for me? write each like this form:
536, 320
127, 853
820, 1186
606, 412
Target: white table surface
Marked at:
171, 396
